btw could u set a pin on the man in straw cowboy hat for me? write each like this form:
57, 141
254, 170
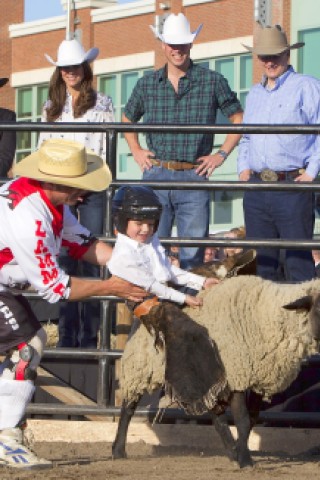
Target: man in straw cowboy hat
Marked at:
36, 221
283, 97
181, 93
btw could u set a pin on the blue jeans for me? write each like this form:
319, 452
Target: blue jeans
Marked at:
283, 215
79, 323
189, 209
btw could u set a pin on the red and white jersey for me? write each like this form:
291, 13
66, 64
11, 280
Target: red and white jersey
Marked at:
31, 234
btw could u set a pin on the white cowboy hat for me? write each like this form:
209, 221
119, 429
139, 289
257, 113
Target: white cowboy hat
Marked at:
272, 41
71, 52
67, 163
176, 30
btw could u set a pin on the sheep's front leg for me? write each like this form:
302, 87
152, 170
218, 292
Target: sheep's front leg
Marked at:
243, 424
222, 427
119, 444
254, 402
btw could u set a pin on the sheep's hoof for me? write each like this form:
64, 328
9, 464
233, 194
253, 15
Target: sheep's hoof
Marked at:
245, 460
118, 453
232, 454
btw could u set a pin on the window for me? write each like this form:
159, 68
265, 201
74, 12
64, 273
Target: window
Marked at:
119, 87
308, 54
30, 101
237, 70
222, 207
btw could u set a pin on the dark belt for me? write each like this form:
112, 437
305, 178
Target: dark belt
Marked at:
173, 165
268, 175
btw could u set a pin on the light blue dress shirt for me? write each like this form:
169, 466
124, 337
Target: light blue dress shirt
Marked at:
295, 99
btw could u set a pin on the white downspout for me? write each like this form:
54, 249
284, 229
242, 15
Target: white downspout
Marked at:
69, 35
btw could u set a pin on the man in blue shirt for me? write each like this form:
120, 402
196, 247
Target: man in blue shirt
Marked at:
181, 93
283, 97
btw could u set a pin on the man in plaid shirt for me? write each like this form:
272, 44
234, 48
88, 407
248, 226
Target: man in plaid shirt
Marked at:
181, 93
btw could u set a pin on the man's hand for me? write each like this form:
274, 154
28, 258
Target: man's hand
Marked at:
209, 282
304, 177
208, 164
193, 302
123, 289
143, 158
245, 175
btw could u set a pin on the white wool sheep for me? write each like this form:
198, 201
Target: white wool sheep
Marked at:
260, 343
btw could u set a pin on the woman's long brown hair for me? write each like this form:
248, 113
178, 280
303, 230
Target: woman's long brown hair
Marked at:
58, 94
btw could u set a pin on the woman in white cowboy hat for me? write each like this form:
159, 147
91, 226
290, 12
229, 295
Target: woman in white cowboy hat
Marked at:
35, 222
73, 99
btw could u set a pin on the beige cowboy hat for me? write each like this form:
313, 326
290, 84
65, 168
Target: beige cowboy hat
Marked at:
272, 41
176, 30
71, 52
68, 163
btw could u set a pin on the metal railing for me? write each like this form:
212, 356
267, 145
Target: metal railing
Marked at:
104, 355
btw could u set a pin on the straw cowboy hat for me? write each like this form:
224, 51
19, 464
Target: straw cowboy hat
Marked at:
272, 41
71, 52
66, 163
176, 30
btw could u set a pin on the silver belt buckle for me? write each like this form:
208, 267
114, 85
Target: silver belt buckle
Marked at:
268, 175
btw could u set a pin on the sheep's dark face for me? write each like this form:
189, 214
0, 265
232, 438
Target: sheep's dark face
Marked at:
310, 304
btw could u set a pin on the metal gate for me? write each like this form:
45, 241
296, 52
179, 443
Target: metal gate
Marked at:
104, 355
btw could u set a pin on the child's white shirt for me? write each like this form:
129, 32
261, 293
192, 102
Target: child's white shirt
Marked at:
146, 265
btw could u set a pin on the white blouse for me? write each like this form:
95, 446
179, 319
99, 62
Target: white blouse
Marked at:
102, 112
146, 265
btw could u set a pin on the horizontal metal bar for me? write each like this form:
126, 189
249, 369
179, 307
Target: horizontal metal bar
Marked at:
281, 418
248, 243
228, 242
231, 185
34, 295
314, 360
158, 127
214, 185
74, 353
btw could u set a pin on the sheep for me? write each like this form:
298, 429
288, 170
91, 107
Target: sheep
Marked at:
260, 345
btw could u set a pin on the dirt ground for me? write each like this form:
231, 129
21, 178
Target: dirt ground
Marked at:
93, 461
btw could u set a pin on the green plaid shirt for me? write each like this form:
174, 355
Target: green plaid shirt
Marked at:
200, 94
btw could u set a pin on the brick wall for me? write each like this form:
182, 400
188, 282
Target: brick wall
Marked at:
126, 36
222, 19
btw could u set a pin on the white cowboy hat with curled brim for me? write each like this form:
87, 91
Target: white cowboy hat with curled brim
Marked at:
71, 52
68, 163
272, 41
176, 30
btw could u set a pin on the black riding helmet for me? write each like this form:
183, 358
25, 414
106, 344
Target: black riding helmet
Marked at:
135, 203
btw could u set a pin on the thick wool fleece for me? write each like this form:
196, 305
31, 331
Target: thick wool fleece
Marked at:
142, 365
260, 343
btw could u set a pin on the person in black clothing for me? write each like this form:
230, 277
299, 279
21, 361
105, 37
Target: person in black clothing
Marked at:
7, 139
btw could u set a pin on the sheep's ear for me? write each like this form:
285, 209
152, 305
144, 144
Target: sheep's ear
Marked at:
304, 303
